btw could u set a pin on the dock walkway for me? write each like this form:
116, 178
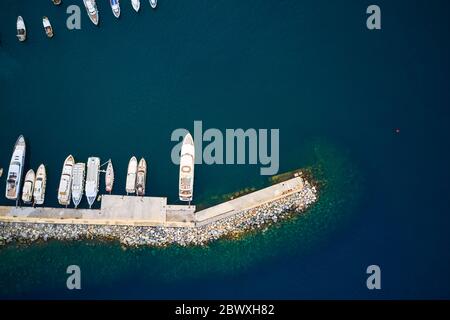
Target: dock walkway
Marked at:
149, 211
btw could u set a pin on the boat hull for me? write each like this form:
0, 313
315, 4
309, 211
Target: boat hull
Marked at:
141, 177
109, 177
130, 186
65, 182
92, 179
28, 187
15, 171
40, 185
78, 181
93, 13
187, 162
21, 29
136, 4
47, 27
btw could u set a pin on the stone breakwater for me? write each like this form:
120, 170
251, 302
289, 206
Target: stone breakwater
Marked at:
247, 220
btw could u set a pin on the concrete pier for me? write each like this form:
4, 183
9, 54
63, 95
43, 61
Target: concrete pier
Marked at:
149, 211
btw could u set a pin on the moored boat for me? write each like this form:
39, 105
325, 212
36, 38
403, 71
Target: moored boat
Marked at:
28, 187
141, 177
187, 162
78, 183
47, 27
115, 7
39, 185
91, 9
65, 183
92, 179
153, 3
136, 5
56, 2
109, 177
130, 185
15, 171
21, 29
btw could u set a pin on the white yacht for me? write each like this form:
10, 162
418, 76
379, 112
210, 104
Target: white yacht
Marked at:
115, 7
153, 3
21, 29
15, 171
187, 161
109, 177
47, 27
65, 183
91, 8
141, 177
39, 185
92, 179
136, 5
28, 187
78, 174
131, 176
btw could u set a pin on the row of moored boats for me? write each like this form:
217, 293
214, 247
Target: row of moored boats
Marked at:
91, 9
79, 178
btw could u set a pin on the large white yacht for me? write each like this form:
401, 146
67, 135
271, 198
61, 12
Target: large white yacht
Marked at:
131, 176
65, 183
79, 170
39, 185
15, 171
92, 179
187, 161
141, 177
91, 8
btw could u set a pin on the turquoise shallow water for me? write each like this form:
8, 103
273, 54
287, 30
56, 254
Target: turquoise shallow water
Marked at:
336, 91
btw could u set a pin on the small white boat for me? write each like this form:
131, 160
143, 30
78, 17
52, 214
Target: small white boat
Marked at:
92, 179
65, 183
39, 185
91, 9
109, 177
141, 177
78, 183
28, 187
115, 7
21, 30
1, 172
15, 171
136, 5
153, 3
187, 162
130, 185
47, 27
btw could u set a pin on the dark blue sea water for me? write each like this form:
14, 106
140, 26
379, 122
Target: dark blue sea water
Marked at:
336, 91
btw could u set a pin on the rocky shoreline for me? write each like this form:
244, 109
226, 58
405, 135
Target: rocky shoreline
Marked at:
245, 221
